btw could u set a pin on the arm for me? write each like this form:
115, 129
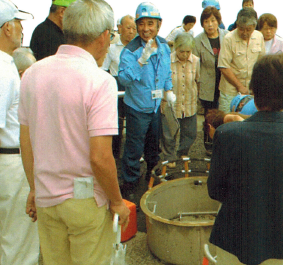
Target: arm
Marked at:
104, 169
218, 173
233, 80
27, 158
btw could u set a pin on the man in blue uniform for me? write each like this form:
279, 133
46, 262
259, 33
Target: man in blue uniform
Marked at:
145, 72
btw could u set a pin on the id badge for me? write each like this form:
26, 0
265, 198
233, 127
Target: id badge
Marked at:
83, 188
156, 94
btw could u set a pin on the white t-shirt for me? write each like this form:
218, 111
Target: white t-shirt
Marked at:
9, 100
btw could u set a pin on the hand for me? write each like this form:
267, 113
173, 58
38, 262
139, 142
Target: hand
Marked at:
123, 211
147, 52
170, 97
30, 206
243, 90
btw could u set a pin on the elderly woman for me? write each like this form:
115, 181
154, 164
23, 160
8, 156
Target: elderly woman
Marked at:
207, 47
267, 25
185, 73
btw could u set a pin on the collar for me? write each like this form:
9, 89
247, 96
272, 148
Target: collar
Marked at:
266, 116
238, 37
175, 59
76, 51
119, 43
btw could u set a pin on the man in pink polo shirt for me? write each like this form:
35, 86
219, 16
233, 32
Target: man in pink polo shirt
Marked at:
68, 114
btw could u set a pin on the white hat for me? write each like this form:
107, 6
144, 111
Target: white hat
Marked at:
8, 11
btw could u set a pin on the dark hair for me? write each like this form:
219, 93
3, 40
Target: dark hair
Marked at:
189, 19
207, 12
247, 16
267, 82
213, 117
54, 8
246, 1
270, 20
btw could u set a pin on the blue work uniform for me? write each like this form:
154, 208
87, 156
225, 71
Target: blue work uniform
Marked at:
142, 107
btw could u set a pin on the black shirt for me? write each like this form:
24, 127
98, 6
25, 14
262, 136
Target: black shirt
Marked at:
215, 45
46, 39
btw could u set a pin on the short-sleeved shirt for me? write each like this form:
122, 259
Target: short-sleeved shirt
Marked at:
184, 80
172, 35
240, 57
9, 101
65, 100
111, 62
46, 38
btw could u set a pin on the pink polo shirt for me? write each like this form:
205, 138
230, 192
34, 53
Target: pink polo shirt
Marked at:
65, 99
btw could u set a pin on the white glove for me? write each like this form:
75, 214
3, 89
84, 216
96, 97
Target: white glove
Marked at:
147, 52
170, 97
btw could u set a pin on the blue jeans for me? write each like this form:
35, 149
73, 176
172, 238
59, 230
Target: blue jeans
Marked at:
142, 137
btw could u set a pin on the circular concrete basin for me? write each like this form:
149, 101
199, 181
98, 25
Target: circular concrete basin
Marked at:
179, 219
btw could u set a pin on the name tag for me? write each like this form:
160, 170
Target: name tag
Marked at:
83, 188
155, 94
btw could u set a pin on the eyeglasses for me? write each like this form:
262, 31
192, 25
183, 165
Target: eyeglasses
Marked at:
112, 34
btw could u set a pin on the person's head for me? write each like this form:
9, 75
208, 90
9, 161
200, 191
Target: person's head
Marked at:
267, 25
248, 3
10, 26
213, 119
57, 10
183, 45
246, 22
267, 83
148, 21
210, 19
23, 58
87, 23
127, 29
188, 22
215, 3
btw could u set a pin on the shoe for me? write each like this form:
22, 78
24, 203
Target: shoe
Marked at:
171, 165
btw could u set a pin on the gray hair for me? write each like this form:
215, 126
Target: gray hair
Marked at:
184, 39
247, 17
124, 17
85, 20
23, 58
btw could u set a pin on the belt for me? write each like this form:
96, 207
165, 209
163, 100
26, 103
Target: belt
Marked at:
9, 151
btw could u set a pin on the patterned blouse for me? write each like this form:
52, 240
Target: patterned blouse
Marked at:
184, 80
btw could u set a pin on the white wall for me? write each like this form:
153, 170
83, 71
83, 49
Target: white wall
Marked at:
171, 11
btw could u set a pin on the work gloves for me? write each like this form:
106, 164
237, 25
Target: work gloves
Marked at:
170, 97
147, 52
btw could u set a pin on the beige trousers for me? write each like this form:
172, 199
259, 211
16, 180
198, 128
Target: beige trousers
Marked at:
75, 232
225, 258
19, 242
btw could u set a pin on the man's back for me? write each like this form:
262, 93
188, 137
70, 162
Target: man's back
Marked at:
73, 100
247, 172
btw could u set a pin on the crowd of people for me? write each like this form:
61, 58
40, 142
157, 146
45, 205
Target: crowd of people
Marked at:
61, 126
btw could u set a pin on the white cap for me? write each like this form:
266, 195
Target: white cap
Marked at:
8, 11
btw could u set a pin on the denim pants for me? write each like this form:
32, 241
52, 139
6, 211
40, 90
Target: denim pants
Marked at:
142, 137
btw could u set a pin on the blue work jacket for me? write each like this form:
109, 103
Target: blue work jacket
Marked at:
141, 81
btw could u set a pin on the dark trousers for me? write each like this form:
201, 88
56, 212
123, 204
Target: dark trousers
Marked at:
142, 137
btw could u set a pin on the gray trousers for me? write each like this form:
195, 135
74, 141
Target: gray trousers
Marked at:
188, 134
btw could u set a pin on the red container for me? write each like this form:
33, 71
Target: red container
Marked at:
132, 226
